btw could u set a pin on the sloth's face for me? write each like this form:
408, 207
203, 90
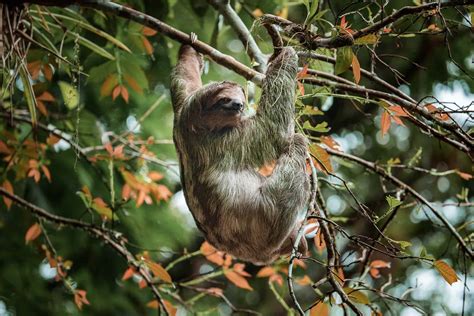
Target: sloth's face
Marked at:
225, 108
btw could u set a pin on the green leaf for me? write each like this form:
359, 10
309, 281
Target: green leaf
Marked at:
86, 199
393, 202
320, 128
70, 95
92, 29
28, 92
343, 59
311, 110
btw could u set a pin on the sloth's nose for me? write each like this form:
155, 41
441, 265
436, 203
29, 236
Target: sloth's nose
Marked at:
235, 105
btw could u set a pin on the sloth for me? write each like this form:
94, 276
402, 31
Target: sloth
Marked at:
221, 148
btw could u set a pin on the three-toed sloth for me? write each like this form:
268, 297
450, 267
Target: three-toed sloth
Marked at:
220, 149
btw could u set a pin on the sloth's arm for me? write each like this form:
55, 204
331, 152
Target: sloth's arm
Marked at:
186, 75
276, 106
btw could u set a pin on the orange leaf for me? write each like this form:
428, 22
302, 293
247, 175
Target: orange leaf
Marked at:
155, 176
9, 188
238, 280
46, 96
276, 278
109, 83
33, 232
215, 256
116, 92
257, 13
215, 291
375, 266
80, 298
124, 93
319, 309
128, 273
147, 31
147, 45
385, 122
158, 271
239, 268
35, 174
464, 175
170, 308
398, 111
46, 172
356, 68
330, 142
440, 116
4, 148
319, 242
52, 139
142, 284
321, 156
133, 84
398, 120
153, 304
303, 73
448, 273
304, 281
41, 107
266, 272
126, 191
48, 72
300, 87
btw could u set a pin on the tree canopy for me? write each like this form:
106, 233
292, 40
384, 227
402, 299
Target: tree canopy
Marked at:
93, 219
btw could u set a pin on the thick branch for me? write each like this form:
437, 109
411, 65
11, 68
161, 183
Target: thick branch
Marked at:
375, 168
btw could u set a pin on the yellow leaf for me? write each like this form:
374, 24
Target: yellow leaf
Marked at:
446, 271
32, 233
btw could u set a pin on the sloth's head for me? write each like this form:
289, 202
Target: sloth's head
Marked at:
221, 106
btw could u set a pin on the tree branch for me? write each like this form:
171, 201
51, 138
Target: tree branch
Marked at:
110, 237
251, 47
375, 168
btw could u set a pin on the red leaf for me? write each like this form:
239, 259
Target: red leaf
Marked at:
32, 233
385, 122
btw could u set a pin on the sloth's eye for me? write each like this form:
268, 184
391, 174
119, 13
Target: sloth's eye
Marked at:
224, 100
